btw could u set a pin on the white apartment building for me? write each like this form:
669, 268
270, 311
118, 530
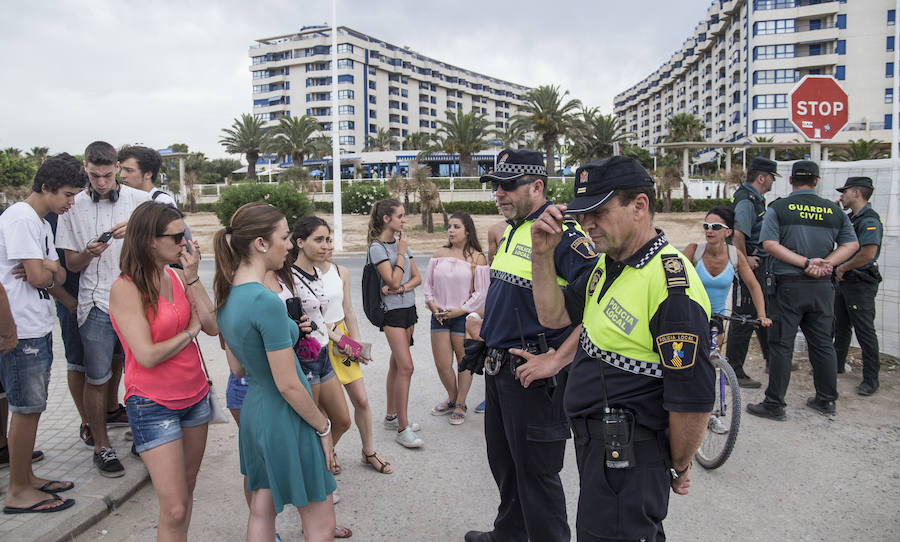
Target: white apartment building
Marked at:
735, 71
379, 85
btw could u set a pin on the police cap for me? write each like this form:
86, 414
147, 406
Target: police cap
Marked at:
513, 164
765, 165
857, 182
805, 168
596, 182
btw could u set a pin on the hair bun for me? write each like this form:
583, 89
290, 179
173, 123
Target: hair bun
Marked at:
228, 230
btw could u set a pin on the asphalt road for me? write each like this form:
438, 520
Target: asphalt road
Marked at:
807, 479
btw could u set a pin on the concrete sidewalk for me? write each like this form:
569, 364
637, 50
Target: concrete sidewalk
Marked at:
67, 458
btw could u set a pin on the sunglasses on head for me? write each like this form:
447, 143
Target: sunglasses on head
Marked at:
509, 186
715, 226
176, 237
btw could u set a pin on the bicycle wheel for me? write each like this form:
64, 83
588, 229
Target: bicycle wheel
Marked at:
725, 419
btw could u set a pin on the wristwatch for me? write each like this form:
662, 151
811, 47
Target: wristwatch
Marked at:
676, 474
806, 265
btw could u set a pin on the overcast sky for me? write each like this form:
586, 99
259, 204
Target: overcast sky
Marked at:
162, 72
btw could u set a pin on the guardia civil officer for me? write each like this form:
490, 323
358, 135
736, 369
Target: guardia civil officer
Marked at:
857, 284
641, 386
749, 208
800, 232
525, 429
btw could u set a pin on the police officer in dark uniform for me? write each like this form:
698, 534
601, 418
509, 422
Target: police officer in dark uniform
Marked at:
641, 386
857, 284
525, 429
800, 233
749, 208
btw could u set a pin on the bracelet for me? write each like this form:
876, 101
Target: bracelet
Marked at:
193, 281
806, 265
189, 334
324, 432
676, 474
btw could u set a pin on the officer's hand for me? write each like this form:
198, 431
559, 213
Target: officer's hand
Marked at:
839, 273
681, 484
763, 321
546, 231
536, 366
753, 261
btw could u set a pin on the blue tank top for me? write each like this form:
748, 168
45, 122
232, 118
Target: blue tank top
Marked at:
717, 287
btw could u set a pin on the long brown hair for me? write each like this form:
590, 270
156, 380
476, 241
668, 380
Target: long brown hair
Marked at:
136, 262
472, 245
380, 209
303, 228
232, 244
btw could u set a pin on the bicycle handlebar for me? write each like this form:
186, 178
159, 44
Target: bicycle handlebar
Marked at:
742, 319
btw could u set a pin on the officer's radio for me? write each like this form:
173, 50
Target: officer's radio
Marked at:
618, 438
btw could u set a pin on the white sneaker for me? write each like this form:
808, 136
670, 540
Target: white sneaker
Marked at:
408, 438
395, 424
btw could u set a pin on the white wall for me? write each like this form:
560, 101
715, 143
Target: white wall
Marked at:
886, 202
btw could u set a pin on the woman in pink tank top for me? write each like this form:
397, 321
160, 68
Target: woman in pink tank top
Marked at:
165, 385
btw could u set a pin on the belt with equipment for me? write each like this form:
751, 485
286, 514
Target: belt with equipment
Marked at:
593, 428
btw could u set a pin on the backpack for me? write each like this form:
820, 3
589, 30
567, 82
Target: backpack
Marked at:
373, 306
733, 258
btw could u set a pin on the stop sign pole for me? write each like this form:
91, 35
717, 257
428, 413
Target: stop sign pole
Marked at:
818, 110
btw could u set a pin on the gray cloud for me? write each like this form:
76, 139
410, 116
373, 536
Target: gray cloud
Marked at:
166, 71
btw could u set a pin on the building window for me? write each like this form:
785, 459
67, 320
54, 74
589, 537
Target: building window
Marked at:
403, 106
888, 124
763, 77
772, 126
780, 26
371, 70
841, 47
841, 21
840, 72
891, 17
890, 44
767, 52
373, 128
761, 5
345, 110
371, 85
404, 120
889, 69
345, 79
347, 140
888, 95
371, 98
345, 48
346, 125
345, 63
345, 95
815, 49
372, 114
770, 101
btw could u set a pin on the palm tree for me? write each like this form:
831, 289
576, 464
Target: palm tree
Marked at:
383, 140
12, 152
246, 136
547, 113
594, 136
463, 134
293, 137
510, 137
861, 149
416, 141
38, 154
684, 127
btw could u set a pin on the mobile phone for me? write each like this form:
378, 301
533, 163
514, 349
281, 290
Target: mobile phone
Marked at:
104, 237
442, 313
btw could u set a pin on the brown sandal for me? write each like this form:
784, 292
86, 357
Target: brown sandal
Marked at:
335, 466
383, 466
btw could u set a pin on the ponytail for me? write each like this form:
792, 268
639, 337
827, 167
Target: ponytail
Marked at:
380, 209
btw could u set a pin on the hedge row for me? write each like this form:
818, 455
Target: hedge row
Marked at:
696, 204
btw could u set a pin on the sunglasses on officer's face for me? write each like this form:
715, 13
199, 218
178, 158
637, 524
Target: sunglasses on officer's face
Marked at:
176, 237
509, 186
715, 226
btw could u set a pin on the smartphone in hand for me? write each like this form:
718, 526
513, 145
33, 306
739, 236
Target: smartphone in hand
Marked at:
104, 237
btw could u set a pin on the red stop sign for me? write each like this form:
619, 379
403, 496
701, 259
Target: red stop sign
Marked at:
818, 107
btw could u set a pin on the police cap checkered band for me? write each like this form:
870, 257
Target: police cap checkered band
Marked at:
522, 169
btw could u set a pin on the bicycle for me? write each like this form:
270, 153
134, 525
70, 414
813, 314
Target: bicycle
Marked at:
725, 418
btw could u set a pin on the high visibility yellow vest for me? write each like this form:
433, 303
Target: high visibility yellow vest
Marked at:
617, 326
512, 262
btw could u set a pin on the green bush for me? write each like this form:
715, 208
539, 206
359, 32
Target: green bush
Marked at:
359, 197
285, 198
558, 192
206, 207
471, 207
324, 207
466, 183
696, 204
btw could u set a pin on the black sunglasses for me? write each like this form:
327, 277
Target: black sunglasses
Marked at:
509, 186
176, 237
715, 226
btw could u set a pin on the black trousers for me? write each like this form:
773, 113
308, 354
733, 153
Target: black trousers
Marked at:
739, 335
854, 310
809, 305
622, 504
526, 432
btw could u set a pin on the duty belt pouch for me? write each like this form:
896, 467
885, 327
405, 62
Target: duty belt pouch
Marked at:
618, 438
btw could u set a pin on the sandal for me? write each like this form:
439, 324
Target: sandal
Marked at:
442, 408
61, 486
336, 467
458, 417
383, 466
342, 532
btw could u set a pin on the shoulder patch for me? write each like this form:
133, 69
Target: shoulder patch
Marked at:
676, 276
677, 350
595, 280
584, 248
872, 228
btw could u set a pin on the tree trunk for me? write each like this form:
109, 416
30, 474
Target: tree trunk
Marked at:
252, 157
686, 199
466, 166
549, 147
667, 200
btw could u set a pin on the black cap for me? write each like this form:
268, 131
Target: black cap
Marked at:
857, 182
513, 164
765, 165
805, 168
596, 182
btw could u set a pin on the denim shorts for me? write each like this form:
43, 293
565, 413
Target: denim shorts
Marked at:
68, 325
25, 372
319, 370
235, 392
101, 345
154, 425
456, 326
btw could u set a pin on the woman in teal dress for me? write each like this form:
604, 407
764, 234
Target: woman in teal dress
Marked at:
285, 441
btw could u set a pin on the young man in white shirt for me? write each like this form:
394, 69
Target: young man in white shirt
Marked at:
91, 234
31, 274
